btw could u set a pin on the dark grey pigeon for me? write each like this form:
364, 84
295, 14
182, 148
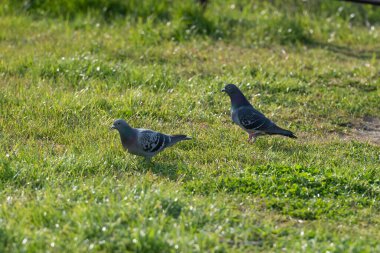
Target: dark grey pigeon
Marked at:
144, 142
251, 120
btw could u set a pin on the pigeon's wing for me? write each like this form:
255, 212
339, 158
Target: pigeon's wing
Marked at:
152, 142
253, 120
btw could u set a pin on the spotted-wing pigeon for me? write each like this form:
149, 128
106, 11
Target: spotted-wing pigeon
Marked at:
144, 142
249, 119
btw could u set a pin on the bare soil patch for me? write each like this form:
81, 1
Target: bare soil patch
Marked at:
366, 129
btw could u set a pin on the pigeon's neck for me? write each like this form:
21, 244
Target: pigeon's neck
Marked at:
127, 135
238, 100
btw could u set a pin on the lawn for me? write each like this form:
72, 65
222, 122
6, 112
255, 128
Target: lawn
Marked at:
68, 69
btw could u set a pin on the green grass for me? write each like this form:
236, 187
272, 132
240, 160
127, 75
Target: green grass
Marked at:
66, 73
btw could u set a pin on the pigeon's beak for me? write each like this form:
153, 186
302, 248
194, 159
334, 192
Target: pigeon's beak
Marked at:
223, 90
112, 127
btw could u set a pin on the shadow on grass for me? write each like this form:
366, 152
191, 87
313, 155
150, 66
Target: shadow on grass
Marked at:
170, 170
285, 147
346, 50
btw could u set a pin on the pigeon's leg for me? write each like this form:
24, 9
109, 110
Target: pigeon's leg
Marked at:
252, 136
148, 159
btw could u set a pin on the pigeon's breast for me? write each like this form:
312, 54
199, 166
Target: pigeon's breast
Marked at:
234, 116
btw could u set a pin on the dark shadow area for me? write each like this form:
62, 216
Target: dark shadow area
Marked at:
373, 2
285, 149
109, 10
169, 170
345, 50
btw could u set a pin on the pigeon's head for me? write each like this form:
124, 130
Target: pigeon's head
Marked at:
236, 96
119, 124
231, 89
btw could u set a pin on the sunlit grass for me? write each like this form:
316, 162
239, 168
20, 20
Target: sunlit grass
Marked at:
67, 185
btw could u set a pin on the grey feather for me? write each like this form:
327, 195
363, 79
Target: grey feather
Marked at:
249, 119
144, 142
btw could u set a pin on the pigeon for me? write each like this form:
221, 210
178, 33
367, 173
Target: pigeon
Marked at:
249, 119
144, 142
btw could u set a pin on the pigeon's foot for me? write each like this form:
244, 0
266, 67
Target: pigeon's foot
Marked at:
252, 138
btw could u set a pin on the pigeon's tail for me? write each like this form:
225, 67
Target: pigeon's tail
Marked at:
179, 137
289, 134
283, 132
